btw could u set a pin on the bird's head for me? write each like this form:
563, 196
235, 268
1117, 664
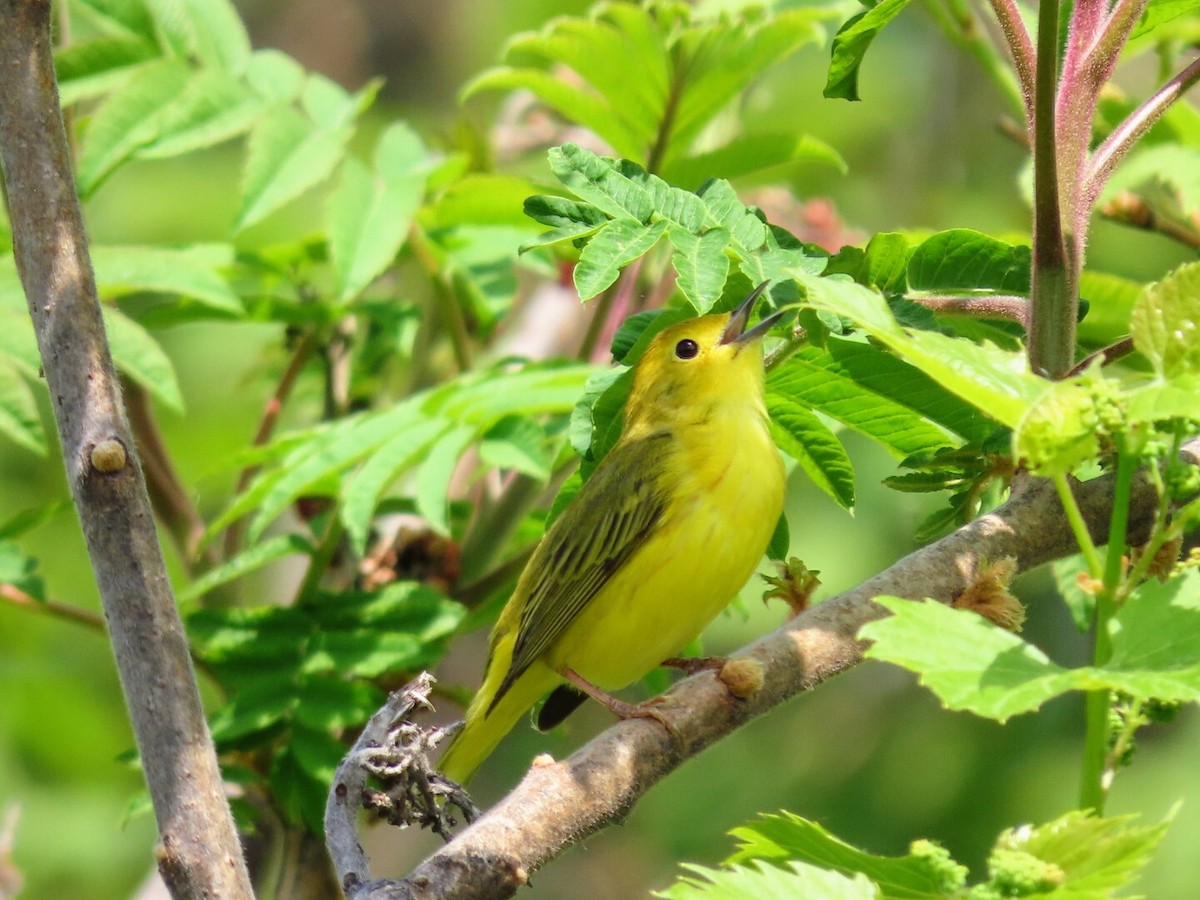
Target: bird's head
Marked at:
695, 369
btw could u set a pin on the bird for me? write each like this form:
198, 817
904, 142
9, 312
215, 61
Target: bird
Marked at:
668, 528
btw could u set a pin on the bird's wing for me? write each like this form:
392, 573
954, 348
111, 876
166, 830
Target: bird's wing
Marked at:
604, 525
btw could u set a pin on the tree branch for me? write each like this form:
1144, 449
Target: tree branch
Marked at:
561, 803
200, 855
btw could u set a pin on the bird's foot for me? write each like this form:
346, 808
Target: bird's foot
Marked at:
690, 665
647, 709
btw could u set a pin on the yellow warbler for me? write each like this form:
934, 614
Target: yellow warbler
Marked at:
668, 528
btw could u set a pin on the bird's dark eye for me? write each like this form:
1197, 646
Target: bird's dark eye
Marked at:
687, 349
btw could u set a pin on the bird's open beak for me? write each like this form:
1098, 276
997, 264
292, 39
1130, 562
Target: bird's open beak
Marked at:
735, 332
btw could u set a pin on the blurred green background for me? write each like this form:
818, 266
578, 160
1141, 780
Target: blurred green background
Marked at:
869, 755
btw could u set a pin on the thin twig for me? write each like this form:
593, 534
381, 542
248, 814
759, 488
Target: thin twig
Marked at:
1127, 208
266, 427
17, 597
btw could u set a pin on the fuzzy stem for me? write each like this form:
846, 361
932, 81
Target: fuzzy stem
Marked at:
1005, 307
1008, 14
1105, 355
1052, 326
1125, 135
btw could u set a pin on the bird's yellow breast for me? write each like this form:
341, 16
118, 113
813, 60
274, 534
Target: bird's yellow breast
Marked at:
726, 487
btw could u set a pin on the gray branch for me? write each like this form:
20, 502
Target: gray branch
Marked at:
560, 803
199, 855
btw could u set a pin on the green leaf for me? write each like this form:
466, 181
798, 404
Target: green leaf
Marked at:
361, 494
1158, 401
722, 205
1089, 857
1062, 429
371, 209
97, 66
926, 872
768, 883
247, 561
210, 31
333, 703
1159, 12
139, 356
850, 45
129, 119
802, 436
840, 382
290, 152
886, 262
702, 265
971, 664
407, 607
487, 396
436, 472
275, 76
965, 260
518, 444
191, 272
485, 198
575, 103
781, 540
621, 103
721, 58
215, 106
749, 154
29, 519
616, 188
327, 453
968, 662
365, 652
401, 629
129, 18
997, 382
585, 426
271, 637
564, 214
1156, 641
1110, 305
301, 774
20, 571
20, 421
1166, 323
252, 710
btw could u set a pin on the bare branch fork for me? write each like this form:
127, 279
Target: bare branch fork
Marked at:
561, 803
199, 855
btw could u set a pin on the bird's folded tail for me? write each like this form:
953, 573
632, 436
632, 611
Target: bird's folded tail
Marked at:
485, 728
